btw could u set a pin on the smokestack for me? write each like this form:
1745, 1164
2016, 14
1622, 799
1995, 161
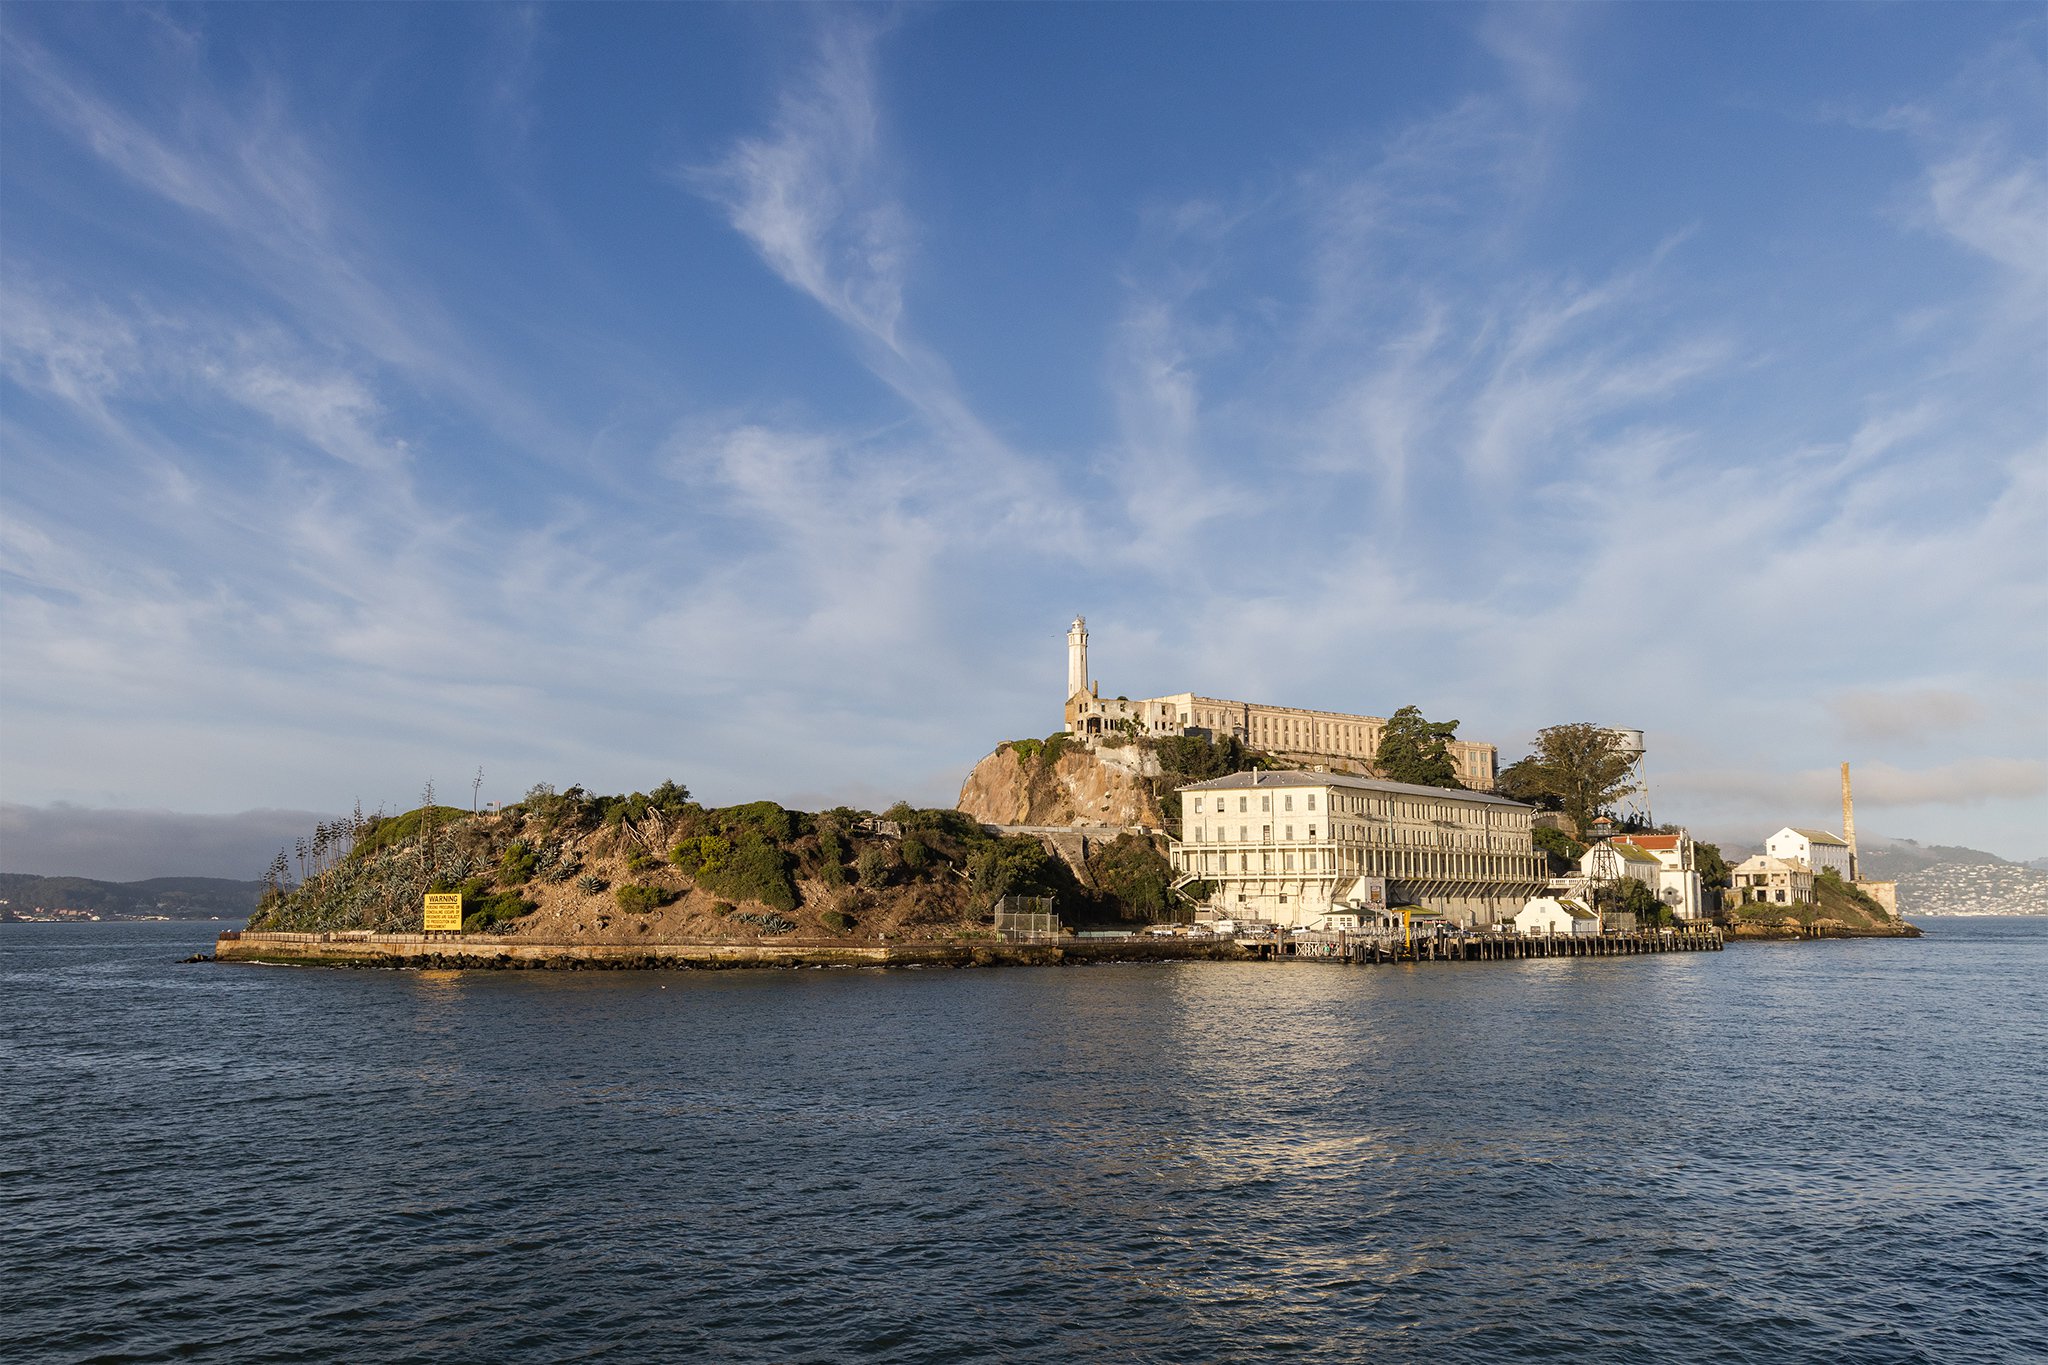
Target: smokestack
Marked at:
1849, 821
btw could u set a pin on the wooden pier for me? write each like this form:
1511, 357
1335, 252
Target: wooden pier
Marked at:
1361, 949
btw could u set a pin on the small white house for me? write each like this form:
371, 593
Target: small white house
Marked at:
1555, 917
1813, 849
1777, 881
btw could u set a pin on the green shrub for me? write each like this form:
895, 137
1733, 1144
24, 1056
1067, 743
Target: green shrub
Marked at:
1560, 848
831, 858
837, 921
481, 912
705, 853
764, 818
643, 900
638, 861
1016, 865
519, 862
1134, 877
385, 831
873, 865
723, 908
754, 870
915, 852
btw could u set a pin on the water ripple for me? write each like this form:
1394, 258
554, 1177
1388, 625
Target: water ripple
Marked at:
1827, 1152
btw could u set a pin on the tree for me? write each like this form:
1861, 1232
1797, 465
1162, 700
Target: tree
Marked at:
1580, 766
1187, 759
1712, 867
1416, 750
1634, 896
1561, 850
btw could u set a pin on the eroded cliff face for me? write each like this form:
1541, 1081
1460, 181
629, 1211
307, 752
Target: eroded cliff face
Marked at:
1028, 784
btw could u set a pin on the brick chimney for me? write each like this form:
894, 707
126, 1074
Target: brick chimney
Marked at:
1849, 821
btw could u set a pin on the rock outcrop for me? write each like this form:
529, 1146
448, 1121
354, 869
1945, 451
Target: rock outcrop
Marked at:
1033, 782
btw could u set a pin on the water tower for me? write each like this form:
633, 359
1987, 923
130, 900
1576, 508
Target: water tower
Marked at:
1629, 744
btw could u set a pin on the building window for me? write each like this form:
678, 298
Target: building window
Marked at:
1198, 805
1265, 834
1241, 807
1311, 800
1290, 834
1265, 803
1287, 801
1287, 861
1311, 831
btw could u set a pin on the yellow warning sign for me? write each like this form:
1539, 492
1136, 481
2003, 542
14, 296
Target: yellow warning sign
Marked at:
444, 910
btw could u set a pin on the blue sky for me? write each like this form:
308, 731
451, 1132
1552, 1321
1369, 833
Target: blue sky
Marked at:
750, 395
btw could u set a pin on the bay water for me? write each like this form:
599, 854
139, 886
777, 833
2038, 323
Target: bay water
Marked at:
1815, 1151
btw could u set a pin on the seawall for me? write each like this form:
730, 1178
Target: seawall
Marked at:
490, 951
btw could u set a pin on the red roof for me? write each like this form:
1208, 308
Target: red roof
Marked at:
1649, 842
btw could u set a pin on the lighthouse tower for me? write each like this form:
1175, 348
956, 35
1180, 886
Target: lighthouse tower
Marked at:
1077, 657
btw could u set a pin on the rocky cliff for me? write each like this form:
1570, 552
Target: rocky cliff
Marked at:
1052, 782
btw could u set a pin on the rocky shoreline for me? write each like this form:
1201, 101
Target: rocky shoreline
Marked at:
1790, 931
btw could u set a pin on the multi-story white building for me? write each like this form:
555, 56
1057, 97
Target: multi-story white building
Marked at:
1810, 848
1678, 878
1294, 847
1288, 731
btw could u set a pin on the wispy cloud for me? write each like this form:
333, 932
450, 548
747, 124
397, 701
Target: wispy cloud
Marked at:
1362, 434
263, 192
816, 198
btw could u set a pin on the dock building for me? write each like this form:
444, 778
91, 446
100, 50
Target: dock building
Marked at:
1296, 847
1289, 732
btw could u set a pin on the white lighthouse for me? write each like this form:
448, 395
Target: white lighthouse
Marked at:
1077, 657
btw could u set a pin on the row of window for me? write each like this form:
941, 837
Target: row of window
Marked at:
1200, 834
1385, 807
1356, 833
1415, 864
1219, 803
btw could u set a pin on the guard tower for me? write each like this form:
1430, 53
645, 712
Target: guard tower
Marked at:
1077, 658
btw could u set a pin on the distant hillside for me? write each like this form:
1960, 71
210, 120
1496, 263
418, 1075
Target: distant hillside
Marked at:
1944, 879
177, 897
1893, 860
